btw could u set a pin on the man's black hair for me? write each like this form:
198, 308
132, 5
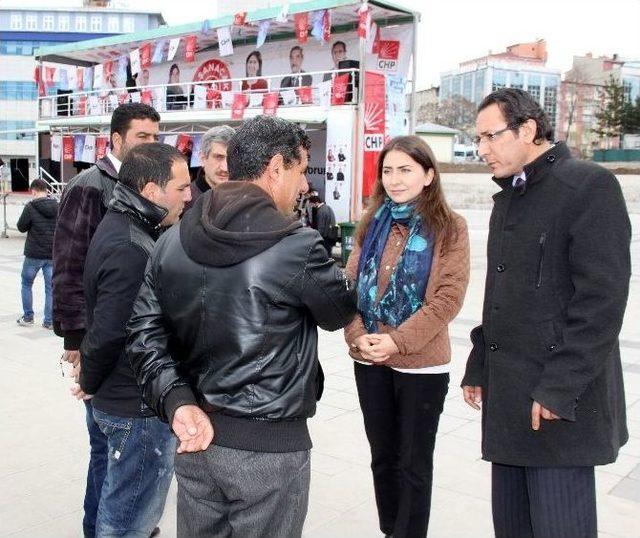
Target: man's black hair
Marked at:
122, 116
146, 163
258, 140
39, 185
518, 106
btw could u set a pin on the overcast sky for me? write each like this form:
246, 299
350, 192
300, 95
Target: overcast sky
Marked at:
453, 31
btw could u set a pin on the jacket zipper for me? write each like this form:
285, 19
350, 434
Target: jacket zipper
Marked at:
543, 239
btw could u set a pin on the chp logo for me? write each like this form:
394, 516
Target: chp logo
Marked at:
388, 53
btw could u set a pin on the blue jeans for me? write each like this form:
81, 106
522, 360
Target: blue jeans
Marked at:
30, 269
95, 474
139, 473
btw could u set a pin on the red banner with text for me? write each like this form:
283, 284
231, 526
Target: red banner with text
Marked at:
374, 126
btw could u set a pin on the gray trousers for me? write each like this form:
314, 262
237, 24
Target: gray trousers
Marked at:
229, 493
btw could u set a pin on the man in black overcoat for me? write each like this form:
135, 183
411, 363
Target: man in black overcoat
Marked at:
545, 364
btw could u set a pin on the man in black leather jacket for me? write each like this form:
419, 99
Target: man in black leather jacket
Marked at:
150, 195
223, 338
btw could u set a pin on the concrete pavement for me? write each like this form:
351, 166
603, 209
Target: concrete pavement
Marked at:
43, 454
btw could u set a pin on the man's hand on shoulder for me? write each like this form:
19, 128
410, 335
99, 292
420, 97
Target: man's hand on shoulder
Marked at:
193, 428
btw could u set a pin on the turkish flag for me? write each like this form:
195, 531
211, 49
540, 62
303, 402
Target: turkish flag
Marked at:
339, 89
190, 49
305, 93
145, 55
302, 27
101, 147
239, 104
239, 18
68, 150
374, 126
270, 103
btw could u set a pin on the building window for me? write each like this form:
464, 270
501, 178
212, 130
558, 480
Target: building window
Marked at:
479, 89
128, 24
31, 22
467, 86
63, 23
16, 21
47, 22
626, 85
550, 101
534, 91
517, 81
113, 24
81, 23
96, 24
499, 80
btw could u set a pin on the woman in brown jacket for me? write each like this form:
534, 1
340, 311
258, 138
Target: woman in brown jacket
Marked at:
411, 264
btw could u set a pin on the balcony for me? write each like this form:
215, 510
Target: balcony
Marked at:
208, 100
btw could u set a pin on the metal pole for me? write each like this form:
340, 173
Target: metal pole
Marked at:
414, 62
356, 184
4, 207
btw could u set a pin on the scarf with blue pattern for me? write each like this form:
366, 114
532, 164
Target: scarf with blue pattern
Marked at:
405, 292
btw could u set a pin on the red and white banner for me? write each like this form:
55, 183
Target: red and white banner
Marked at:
239, 18
184, 144
302, 27
339, 89
326, 25
102, 143
49, 75
68, 148
239, 104
270, 103
190, 49
146, 97
145, 55
364, 21
374, 126
305, 94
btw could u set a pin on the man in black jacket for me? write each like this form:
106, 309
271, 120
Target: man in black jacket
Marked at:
152, 190
324, 220
223, 338
38, 219
545, 362
84, 202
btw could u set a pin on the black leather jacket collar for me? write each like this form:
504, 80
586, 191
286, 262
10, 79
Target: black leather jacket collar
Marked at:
126, 200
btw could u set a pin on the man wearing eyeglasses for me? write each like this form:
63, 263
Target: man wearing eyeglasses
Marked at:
545, 364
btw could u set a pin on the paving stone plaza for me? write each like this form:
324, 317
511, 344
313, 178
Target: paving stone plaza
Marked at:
44, 446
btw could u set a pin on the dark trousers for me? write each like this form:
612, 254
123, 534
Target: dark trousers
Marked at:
544, 502
230, 493
401, 413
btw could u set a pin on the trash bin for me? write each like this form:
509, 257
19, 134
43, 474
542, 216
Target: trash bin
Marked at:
347, 230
